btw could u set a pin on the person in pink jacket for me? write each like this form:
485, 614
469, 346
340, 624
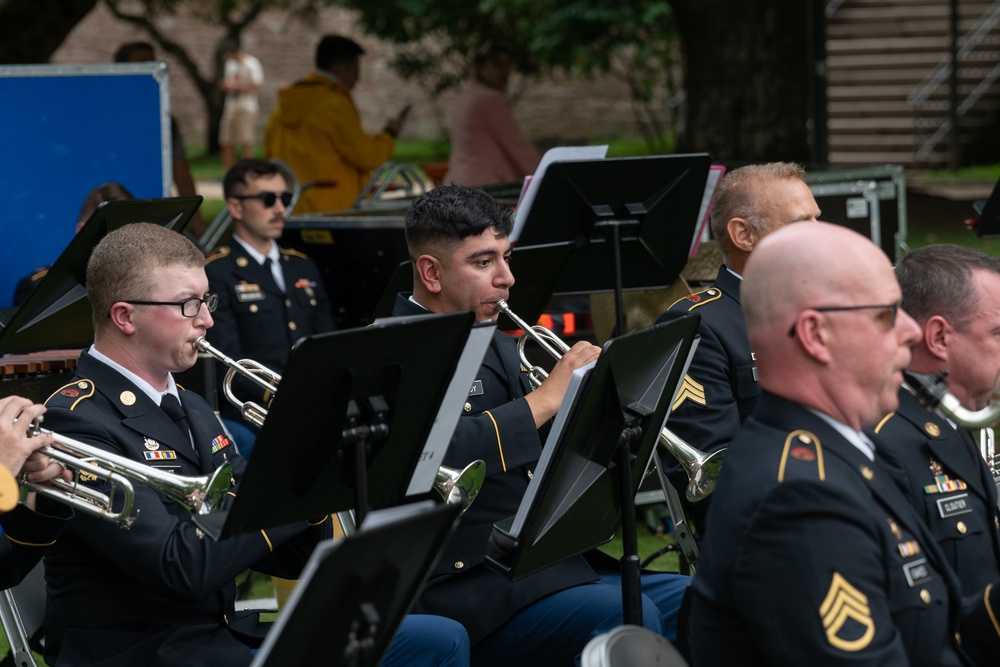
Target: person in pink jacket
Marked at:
486, 144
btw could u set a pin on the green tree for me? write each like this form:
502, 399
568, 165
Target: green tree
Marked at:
634, 42
231, 15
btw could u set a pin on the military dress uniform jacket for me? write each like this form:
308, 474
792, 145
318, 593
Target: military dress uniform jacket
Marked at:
159, 593
816, 558
946, 480
720, 389
25, 537
255, 319
498, 428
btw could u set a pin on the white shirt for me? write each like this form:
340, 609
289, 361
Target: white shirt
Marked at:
273, 254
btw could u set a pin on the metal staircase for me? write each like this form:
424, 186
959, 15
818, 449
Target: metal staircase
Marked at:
888, 72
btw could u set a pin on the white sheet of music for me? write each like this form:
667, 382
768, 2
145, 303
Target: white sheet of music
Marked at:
451, 408
557, 154
524, 509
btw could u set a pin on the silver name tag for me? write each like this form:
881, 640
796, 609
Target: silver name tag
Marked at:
477, 388
917, 572
953, 505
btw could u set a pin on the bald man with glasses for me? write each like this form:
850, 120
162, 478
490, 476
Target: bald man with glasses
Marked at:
269, 297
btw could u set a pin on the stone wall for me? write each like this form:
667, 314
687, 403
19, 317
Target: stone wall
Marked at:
553, 110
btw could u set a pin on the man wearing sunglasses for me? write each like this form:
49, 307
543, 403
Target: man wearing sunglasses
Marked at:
951, 291
269, 297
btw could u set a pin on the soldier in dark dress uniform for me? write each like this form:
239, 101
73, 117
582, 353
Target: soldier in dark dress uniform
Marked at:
953, 293
161, 593
457, 238
269, 297
720, 387
815, 557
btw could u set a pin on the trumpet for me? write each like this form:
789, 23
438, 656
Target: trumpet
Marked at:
702, 469
198, 495
933, 394
455, 486
256, 372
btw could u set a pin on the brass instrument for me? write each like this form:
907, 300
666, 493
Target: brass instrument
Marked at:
932, 392
198, 495
455, 486
702, 469
257, 373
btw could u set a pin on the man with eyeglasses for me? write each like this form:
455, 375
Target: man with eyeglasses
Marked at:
815, 557
161, 593
269, 297
952, 293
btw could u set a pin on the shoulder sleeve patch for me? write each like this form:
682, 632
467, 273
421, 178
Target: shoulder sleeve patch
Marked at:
291, 252
70, 395
805, 448
218, 253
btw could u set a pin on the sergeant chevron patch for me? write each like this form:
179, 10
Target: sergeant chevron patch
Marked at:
846, 616
690, 391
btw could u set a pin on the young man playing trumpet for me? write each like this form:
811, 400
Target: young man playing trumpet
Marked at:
166, 593
457, 239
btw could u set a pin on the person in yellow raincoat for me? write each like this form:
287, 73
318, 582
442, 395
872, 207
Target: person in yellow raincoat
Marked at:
316, 130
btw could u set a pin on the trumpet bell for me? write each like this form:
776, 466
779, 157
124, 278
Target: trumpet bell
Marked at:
460, 486
702, 478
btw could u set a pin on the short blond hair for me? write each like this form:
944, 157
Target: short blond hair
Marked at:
123, 266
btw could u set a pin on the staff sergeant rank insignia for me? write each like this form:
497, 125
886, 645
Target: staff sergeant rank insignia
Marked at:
847, 618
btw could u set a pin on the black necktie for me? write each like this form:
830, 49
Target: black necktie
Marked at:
172, 407
269, 267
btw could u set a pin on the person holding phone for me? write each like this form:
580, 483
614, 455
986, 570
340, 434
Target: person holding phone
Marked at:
316, 129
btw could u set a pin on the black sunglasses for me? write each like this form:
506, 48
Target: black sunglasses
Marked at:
893, 309
268, 198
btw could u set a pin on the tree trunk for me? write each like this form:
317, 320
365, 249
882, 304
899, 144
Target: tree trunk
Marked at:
30, 32
746, 74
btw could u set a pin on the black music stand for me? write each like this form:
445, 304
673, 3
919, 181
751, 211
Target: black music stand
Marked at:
595, 457
354, 592
988, 226
632, 219
350, 425
536, 268
56, 315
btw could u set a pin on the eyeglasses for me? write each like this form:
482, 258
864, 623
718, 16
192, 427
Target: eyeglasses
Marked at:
189, 307
893, 309
268, 198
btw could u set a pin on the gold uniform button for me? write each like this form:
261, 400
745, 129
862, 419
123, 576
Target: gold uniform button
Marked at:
958, 638
925, 595
253, 308
459, 565
293, 326
288, 303
468, 407
531, 475
961, 528
996, 522
312, 302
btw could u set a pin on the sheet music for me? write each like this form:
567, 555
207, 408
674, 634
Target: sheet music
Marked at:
557, 154
701, 232
451, 408
575, 383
